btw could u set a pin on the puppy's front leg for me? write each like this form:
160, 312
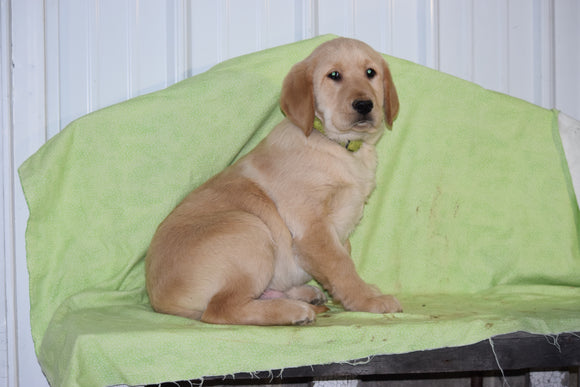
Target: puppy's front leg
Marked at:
329, 262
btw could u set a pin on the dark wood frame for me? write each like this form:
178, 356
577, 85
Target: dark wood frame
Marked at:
504, 353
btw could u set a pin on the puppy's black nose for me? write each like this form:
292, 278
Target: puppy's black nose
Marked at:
362, 106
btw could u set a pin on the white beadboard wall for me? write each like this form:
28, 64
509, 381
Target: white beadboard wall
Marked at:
61, 59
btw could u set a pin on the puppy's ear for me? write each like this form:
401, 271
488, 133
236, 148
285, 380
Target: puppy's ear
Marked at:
297, 98
391, 103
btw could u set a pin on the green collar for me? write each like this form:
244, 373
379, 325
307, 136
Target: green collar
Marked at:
351, 146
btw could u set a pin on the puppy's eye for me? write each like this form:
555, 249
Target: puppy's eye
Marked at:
335, 76
371, 73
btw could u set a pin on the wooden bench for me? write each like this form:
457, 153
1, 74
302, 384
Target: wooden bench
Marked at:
501, 355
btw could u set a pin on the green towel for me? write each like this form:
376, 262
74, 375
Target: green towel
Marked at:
473, 225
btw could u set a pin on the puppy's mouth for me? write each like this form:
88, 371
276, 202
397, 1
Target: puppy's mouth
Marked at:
364, 125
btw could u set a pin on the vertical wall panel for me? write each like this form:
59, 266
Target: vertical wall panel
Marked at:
407, 39
567, 56
521, 49
544, 54
205, 16
456, 38
52, 67
333, 17
412, 30
243, 21
428, 27
27, 135
306, 17
490, 44
386, 32
109, 76
7, 345
280, 22
371, 23
178, 41
148, 40
73, 59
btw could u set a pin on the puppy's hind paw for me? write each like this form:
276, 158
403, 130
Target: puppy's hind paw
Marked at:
306, 321
307, 293
306, 316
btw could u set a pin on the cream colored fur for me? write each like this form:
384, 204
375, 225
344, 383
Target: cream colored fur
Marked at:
241, 247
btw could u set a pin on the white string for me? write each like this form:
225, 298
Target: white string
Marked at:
505, 382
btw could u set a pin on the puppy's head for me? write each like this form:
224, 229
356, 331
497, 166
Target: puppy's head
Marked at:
347, 85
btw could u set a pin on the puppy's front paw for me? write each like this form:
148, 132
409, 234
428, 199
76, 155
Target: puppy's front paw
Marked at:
380, 304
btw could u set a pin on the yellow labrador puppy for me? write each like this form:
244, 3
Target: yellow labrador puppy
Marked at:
241, 247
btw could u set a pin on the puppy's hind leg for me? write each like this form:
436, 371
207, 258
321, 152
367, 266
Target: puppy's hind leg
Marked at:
228, 307
241, 303
248, 254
